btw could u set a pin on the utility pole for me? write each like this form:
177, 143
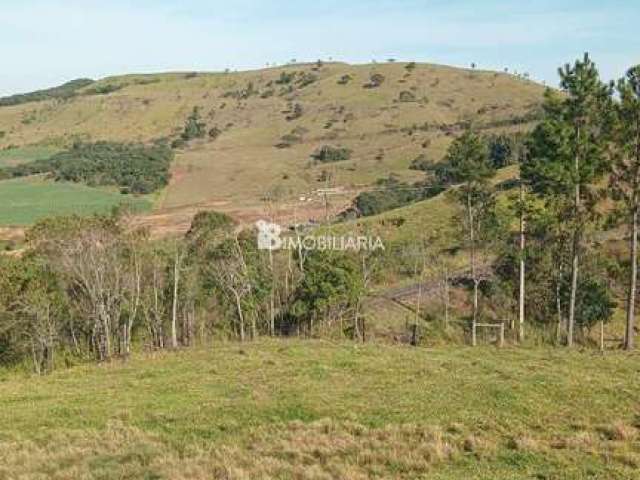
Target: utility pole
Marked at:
326, 208
327, 182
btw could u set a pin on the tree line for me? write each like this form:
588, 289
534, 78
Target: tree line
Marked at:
579, 179
93, 287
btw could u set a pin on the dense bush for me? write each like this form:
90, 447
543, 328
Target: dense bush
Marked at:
214, 133
375, 80
66, 90
296, 112
103, 89
135, 168
242, 94
285, 78
421, 163
503, 148
329, 154
390, 193
193, 128
307, 79
344, 79
288, 139
407, 96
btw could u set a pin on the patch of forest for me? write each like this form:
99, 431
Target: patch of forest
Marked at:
134, 168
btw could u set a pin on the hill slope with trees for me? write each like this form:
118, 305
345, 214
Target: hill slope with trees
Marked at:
280, 132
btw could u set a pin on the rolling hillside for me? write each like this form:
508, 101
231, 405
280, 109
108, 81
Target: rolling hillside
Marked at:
265, 124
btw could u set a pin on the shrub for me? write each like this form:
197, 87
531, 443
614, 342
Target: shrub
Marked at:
406, 96
594, 302
296, 112
178, 143
214, 133
421, 163
242, 94
285, 90
390, 193
285, 78
307, 79
325, 176
329, 154
503, 148
103, 89
375, 80
288, 139
344, 79
193, 127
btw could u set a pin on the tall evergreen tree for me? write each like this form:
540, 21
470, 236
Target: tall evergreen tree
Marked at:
625, 180
568, 156
467, 162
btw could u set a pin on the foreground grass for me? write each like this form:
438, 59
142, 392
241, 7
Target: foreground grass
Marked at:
26, 200
292, 409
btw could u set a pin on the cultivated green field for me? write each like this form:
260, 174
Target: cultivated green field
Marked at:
317, 410
25, 200
11, 157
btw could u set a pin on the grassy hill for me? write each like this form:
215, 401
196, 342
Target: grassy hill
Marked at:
268, 122
315, 410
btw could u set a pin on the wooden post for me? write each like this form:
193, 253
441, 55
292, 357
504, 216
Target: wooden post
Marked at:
601, 336
474, 327
501, 335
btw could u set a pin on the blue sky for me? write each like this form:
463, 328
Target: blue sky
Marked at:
46, 42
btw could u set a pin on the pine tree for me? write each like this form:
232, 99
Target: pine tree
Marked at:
467, 162
568, 156
625, 180
194, 127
